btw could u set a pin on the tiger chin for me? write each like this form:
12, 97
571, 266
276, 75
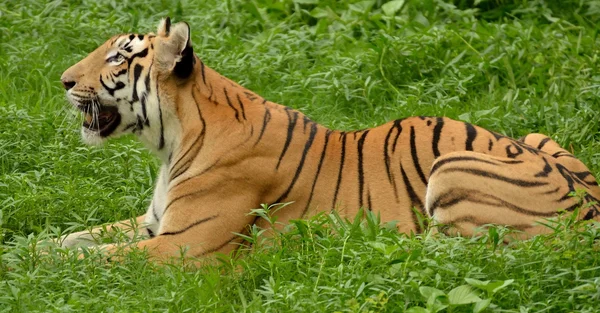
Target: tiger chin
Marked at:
225, 150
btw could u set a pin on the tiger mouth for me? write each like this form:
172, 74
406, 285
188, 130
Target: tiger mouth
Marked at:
101, 119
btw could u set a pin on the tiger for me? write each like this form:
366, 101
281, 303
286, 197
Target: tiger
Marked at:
225, 150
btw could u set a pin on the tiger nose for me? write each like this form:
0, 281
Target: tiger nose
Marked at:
68, 84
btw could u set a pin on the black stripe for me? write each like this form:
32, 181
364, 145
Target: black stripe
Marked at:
571, 178
250, 96
196, 223
490, 145
309, 142
204, 171
471, 135
139, 125
141, 54
312, 189
144, 113
241, 106
386, 156
154, 212
202, 72
137, 71
513, 181
590, 214
361, 174
509, 161
111, 91
442, 201
150, 232
511, 154
415, 201
496, 135
220, 246
176, 172
551, 192
562, 154
583, 175
546, 170
477, 197
290, 133
339, 180
161, 142
145, 95
437, 132
305, 121
415, 158
237, 114
194, 193
119, 73
399, 127
130, 126
443, 161
266, 120
543, 143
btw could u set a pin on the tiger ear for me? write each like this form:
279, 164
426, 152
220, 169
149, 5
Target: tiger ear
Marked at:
164, 27
175, 52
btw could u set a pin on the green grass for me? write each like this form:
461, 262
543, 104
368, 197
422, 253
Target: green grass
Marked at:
511, 66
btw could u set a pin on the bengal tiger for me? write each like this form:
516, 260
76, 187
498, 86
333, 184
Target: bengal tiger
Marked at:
225, 150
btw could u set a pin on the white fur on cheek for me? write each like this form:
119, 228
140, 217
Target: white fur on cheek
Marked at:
91, 138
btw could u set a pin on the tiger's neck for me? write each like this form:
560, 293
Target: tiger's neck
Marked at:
211, 113
221, 122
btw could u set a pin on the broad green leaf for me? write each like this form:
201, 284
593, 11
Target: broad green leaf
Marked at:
431, 295
319, 13
482, 113
379, 246
477, 283
462, 295
362, 6
489, 286
430, 292
465, 117
390, 8
481, 305
501, 284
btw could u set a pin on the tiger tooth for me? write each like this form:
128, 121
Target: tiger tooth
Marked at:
88, 118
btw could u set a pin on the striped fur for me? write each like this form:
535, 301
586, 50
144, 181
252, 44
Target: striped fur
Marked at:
226, 150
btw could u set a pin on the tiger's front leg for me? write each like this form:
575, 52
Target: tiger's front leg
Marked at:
198, 223
131, 228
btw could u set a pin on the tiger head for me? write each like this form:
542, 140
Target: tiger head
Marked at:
117, 85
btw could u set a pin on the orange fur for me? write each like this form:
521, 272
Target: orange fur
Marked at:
228, 150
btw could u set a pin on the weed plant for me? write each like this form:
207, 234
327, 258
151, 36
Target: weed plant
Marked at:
511, 66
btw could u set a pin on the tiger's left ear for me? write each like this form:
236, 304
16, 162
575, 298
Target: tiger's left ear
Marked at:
175, 52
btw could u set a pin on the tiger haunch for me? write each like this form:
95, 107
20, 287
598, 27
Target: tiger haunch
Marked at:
226, 150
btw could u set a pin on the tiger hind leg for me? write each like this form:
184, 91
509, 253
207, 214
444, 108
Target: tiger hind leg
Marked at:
467, 190
551, 147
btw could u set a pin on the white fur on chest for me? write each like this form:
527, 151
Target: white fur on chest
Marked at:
159, 199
